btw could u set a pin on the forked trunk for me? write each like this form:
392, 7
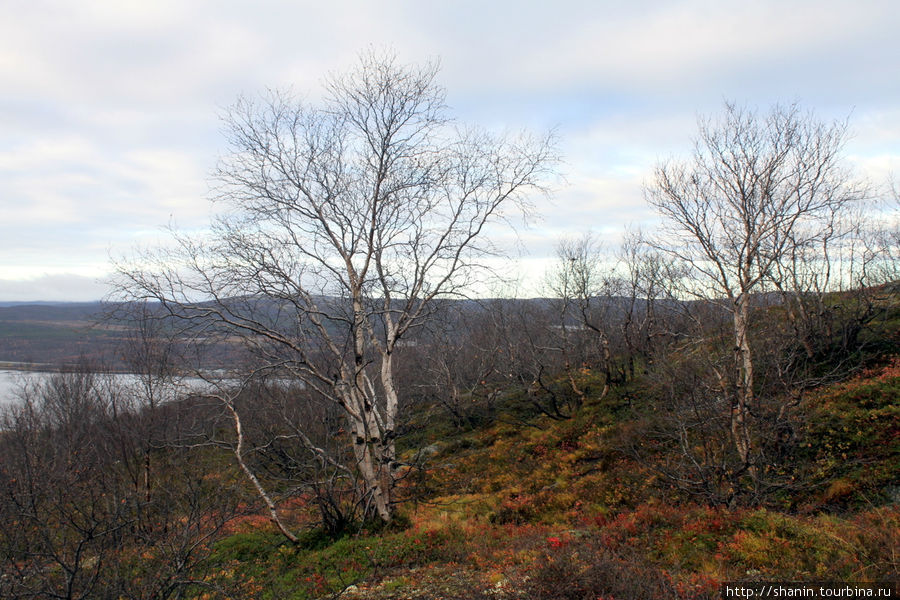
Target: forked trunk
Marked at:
369, 450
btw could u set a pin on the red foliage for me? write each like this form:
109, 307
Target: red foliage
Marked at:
555, 542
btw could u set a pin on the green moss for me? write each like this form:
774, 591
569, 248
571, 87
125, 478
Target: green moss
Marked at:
246, 547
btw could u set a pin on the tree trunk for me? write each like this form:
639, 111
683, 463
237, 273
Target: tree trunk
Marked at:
368, 450
743, 381
238, 451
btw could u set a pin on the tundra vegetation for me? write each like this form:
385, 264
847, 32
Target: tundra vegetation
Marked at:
710, 402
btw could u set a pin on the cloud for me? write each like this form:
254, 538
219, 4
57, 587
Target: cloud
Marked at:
53, 288
108, 121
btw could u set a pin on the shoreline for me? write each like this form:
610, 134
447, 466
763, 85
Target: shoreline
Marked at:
36, 367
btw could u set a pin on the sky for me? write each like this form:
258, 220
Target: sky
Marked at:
110, 110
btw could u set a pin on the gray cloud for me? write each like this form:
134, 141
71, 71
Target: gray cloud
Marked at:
108, 120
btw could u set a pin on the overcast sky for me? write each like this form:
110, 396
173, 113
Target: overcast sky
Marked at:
109, 110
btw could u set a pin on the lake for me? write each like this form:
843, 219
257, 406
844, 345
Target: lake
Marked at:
11, 382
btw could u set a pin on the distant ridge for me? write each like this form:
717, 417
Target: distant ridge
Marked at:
12, 303
55, 333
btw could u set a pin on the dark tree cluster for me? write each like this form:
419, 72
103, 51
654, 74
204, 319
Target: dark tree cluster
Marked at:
97, 500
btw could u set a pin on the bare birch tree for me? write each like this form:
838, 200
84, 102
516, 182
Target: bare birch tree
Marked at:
343, 223
757, 190
587, 303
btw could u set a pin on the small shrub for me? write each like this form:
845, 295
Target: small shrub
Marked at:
245, 547
517, 509
588, 570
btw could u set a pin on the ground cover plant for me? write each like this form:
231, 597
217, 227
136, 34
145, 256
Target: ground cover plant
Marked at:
558, 510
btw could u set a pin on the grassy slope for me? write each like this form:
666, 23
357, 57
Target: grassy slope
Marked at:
553, 510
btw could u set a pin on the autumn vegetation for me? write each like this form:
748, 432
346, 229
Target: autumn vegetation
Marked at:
321, 406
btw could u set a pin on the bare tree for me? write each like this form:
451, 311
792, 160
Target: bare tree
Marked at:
886, 238
757, 190
460, 359
587, 304
150, 353
650, 309
344, 223
610, 303
525, 335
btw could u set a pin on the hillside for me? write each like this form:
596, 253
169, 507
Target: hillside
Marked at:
565, 510
585, 483
54, 334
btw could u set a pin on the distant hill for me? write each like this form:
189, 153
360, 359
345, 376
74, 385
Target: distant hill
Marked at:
55, 333
61, 311
60, 333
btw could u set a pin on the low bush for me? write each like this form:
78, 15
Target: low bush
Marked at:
587, 570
